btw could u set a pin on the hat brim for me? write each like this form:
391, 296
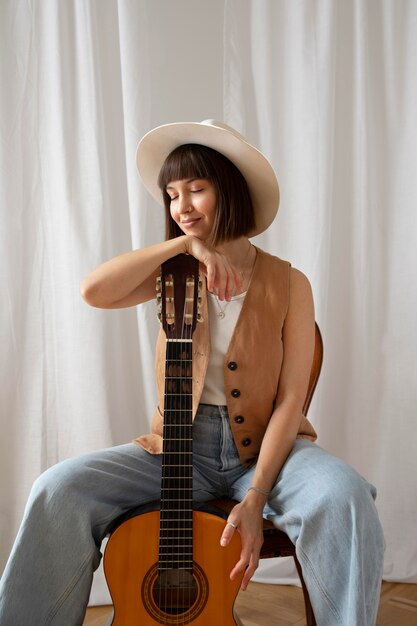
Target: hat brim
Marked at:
262, 182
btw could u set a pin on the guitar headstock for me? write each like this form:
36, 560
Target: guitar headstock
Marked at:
178, 296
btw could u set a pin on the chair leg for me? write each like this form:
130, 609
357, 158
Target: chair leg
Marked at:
311, 620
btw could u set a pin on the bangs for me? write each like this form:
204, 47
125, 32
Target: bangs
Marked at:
186, 161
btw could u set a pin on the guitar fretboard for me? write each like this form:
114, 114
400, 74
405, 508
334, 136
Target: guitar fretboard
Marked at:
176, 535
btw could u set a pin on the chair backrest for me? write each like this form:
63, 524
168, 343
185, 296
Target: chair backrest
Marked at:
315, 368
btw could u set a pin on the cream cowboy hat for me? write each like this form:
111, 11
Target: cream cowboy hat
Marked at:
158, 143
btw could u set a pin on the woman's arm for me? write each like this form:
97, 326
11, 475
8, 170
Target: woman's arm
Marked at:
129, 279
298, 344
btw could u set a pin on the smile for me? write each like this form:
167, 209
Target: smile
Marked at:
189, 222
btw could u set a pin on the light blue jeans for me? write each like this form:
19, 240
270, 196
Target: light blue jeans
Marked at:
325, 507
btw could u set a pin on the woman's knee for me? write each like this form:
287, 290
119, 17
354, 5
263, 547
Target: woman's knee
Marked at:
60, 482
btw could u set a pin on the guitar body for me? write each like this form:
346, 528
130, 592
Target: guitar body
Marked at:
131, 568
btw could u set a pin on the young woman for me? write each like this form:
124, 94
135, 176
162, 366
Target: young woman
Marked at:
251, 361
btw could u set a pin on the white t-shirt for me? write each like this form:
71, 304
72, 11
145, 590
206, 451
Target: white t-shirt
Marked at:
223, 317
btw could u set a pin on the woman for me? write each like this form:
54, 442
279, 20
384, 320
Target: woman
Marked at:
252, 358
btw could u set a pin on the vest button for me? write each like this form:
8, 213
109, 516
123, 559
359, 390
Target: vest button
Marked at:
246, 442
232, 365
235, 393
239, 419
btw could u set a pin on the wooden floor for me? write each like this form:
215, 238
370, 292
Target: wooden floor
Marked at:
278, 605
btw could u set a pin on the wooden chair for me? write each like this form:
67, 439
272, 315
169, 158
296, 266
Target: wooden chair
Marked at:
276, 542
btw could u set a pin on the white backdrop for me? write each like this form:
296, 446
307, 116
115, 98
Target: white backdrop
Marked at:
328, 90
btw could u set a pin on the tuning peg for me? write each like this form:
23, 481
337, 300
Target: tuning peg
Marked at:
200, 318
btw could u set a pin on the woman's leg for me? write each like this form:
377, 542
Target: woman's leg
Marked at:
48, 576
328, 511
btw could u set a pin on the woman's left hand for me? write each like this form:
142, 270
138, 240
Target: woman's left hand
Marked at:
246, 518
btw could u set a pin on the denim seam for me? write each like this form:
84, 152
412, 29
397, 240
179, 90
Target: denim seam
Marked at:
318, 584
52, 613
74, 580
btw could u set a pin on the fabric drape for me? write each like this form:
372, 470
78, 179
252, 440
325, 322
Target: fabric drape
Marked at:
328, 91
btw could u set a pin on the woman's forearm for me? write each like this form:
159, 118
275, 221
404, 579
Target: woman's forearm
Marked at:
129, 279
277, 443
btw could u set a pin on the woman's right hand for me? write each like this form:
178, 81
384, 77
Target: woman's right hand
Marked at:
129, 279
222, 278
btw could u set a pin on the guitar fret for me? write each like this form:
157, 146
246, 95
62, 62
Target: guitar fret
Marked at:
166, 569
182, 394
182, 515
178, 377
180, 536
176, 465
175, 410
178, 488
175, 543
174, 477
174, 452
184, 520
180, 510
181, 439
168, 523
174, 555
169, 361
182, 559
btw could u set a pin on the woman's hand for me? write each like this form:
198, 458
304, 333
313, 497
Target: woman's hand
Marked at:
247, 518
222, 278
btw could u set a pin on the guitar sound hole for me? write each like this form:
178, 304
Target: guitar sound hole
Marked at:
175, 591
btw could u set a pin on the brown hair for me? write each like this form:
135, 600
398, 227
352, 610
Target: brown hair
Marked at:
235, 215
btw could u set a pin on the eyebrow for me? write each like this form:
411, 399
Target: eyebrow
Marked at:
189, 180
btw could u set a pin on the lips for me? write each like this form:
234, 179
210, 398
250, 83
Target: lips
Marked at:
190, 222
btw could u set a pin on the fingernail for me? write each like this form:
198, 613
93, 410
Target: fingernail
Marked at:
222, 541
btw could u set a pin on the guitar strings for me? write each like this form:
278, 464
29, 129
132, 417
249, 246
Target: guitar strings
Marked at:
186, 444
184, 434
175, 544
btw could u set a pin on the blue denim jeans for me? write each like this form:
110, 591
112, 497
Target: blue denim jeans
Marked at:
325, 507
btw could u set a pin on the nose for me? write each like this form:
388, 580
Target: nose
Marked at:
184, 203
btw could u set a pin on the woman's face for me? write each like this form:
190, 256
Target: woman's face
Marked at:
193, 206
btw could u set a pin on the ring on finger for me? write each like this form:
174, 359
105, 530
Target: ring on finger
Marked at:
232, 524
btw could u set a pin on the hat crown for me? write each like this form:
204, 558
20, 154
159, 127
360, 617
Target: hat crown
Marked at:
223, 126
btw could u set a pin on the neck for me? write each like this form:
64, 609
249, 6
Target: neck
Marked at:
239, 252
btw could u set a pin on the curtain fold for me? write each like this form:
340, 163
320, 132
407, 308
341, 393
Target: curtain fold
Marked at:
77, 101
328, 91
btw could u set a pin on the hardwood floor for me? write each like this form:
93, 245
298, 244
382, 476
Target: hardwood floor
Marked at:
279, 605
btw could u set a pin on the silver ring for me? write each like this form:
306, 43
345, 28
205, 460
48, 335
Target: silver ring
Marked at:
233, 525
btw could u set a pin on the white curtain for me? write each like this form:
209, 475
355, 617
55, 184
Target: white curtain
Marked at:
328, 90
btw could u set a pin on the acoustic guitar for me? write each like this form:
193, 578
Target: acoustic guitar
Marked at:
167, 567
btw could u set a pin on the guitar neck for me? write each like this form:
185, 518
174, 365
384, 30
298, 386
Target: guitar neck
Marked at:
176, 536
